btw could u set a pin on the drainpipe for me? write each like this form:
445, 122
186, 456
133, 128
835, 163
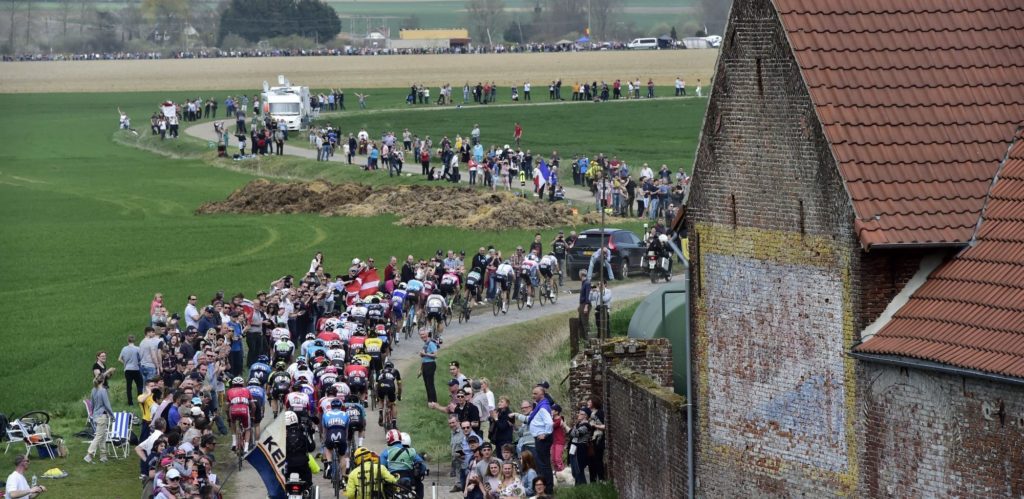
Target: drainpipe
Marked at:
686, 369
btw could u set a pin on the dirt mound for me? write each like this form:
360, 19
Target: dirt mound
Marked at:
415, 205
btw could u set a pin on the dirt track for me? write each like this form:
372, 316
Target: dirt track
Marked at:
353, 72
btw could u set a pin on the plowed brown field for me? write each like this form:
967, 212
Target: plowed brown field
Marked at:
355, 72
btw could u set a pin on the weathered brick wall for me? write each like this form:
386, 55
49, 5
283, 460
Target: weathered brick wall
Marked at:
646, 443
586, 375
774, 305
929, 434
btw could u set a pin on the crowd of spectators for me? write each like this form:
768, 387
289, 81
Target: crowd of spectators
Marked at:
212, 53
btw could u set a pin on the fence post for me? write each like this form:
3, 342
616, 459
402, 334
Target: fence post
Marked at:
574, 336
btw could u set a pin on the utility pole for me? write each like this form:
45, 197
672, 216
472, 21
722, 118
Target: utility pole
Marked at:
28, 25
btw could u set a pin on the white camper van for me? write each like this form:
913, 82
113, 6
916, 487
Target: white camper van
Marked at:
287, 102
643, 43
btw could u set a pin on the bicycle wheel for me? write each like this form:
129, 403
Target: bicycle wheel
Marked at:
521, 297
496, 305
543, 295
467, 311
459, 309
335, 474
447, 319
554, 293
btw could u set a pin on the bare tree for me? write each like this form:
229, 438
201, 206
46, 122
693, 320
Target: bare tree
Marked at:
486, 19
602, 15
565, 16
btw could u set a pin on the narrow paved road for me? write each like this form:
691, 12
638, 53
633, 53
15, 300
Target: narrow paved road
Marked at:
247, 483
205, 131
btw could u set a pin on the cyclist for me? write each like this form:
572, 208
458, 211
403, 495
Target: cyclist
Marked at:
327, 378
317, 348
398, 304
303, 374
472, 283
280, 382
368, 477
298, 402
503, 277
374, 312
334, 428
560, 248
528, 275
374, 346
413, 288
357, 311
402, 461
436, 309
355, 376
259, 399
389, 386
283, 347
261, 369
449, 283
548, 268
356, 418
239, 411
336, 353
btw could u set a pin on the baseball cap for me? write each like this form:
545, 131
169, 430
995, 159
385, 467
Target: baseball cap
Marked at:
197, 411
196, 401
173, 473
453, 382
167, 461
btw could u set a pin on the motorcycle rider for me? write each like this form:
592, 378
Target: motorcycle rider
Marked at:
659, 245
402, 461
298, 445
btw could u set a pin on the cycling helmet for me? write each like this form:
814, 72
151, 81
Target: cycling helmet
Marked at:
331, 369
237, 381
406, 440
318, 342
290, 418
392, 437
362, 454
254, 381
374, 299
401, 286
343, 388
301, 361
356, 261
263, 358
663, 238
310, 336
351, 398
334, 344
336, 404
280, 366
389, 365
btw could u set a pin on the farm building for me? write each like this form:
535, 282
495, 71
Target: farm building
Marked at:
856, 229
432, 38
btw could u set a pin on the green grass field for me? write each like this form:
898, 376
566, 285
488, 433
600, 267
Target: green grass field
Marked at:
91, 228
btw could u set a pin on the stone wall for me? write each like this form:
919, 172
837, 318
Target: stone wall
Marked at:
646, 442
930, 434
587, 373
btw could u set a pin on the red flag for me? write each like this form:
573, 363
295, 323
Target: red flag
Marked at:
248, 309
352, 290
369, 282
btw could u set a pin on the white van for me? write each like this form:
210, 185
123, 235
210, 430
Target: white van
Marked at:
643, 43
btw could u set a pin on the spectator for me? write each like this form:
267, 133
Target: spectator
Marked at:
428, 364
130, 357
101, 414
17, 486
540, 427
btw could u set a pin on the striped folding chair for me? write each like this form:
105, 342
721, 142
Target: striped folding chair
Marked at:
119, 434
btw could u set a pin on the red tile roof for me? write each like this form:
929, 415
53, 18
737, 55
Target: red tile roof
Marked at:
970, 311
918, 100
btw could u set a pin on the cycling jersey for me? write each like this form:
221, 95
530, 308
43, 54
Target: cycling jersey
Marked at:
529, 266
414, 286
450, 279
356, 374
389, 378
428, 288
336, 354
328, 379
373, 346
316, 351
259, 395
305, 375
356, 341
549, 261
362, 359
472, 279
328, 336
504, 271
297, 401
284, 348
357, 312
239, 399
436, 304
260, 371
375, 311
281, 381
334, 419
398, 302
356, 416
325, 404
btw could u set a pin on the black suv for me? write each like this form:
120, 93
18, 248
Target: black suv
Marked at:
628, 252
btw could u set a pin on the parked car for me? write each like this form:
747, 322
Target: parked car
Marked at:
628, 252
643, 43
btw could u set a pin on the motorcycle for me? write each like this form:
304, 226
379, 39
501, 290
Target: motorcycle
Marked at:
659, 266
297, 489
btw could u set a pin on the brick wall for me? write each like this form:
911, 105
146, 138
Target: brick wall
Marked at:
646, 443
586, 375
929, 434
774, 302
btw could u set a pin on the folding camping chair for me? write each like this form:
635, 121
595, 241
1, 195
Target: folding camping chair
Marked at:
119, 433
18, 430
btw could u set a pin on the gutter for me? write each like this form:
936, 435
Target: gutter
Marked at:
903, 246
926, 365
687, 369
